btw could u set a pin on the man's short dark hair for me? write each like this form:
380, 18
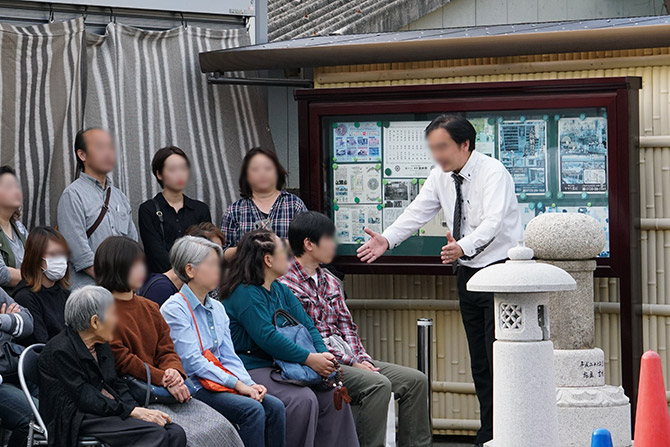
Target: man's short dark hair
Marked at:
308, 225
245, 188
113, 260
460, 129
79, 143
158, 162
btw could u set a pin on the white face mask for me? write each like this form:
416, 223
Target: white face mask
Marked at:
56, 267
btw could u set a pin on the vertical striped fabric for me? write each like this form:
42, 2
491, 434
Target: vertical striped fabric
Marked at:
40, 110
145, 87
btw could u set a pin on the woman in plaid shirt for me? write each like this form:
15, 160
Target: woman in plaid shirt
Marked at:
264, 203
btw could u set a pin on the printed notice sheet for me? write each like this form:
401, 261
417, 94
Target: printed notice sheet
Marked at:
485, 141
523, 151
405, 151
583, 154
350, 220
353, 142
357, 183
398, 194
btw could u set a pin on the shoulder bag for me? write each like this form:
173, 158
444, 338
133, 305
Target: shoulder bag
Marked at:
293, 372
103, 212
207, 384
145, 393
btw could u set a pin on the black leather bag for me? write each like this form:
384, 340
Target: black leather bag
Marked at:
145, 393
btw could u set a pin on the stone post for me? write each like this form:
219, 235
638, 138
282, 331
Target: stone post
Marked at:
571, 241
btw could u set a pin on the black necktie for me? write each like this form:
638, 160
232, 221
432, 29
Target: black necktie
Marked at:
458, 206
458, 213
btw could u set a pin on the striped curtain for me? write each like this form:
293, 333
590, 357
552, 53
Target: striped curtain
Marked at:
40, 110
145, 87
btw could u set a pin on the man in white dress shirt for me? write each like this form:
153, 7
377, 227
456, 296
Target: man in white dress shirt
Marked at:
477, 195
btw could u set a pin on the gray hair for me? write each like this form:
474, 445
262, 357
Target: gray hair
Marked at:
84, 303
191, 250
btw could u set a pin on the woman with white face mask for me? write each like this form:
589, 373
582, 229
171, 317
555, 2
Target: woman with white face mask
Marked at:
44, 288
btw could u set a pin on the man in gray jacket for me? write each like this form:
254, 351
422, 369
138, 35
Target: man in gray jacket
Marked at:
91, 209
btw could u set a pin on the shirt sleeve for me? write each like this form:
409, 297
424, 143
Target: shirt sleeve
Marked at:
497, 195
86, 396
72, 225
40, 332
349, 330
166, 357
187, 346
230, 229
158, 258
5, 275
19, 324
423, 208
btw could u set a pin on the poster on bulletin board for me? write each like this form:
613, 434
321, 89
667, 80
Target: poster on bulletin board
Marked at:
357, 141
583, 154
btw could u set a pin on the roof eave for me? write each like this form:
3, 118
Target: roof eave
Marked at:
513, 44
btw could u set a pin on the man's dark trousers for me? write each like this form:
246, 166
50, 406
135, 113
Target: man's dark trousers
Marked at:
477, 313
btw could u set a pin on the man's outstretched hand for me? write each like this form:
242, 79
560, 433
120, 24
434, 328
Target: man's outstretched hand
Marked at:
452, 251
374, 248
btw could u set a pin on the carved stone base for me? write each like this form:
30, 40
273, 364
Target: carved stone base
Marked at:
584, 409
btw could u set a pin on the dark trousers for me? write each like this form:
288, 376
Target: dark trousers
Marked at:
114, 431
477, 314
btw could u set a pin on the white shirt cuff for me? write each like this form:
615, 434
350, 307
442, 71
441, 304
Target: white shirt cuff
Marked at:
467, 246
392, 239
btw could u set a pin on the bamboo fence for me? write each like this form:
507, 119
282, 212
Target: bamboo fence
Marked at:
386, 307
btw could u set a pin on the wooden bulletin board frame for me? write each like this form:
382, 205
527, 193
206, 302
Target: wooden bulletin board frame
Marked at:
619, 96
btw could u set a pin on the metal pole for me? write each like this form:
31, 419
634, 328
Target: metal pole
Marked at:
424, 356
261, 15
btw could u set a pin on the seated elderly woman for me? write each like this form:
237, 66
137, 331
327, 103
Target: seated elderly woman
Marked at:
251, 295
143, 338
80, 393
199, 329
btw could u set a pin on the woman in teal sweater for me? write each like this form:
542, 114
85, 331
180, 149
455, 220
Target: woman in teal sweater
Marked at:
251, 297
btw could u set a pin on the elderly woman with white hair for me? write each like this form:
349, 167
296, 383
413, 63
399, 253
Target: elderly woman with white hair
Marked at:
80, 393
199, 329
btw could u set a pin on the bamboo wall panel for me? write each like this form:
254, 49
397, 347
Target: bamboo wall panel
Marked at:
391, 334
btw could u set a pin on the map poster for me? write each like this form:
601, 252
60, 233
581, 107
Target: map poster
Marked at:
357, 183
351, 220
485, 141
398, 194
357, 142
523, 151
405, 151
583, 154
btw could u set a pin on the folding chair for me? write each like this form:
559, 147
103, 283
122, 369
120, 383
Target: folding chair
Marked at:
30, 375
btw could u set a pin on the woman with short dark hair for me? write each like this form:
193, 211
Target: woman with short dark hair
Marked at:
165, 218
45, 287
264, 202
12, 232
143, 341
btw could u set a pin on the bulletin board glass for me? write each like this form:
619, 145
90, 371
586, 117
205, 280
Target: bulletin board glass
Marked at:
377, 164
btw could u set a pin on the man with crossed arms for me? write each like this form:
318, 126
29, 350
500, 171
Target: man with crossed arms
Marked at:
477, 195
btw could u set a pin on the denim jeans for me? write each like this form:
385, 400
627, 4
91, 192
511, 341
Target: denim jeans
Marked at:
15, 414
260, 424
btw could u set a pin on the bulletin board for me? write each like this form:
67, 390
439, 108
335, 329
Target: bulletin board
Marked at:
379, 163
568, 144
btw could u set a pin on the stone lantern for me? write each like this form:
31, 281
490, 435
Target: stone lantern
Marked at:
524, 390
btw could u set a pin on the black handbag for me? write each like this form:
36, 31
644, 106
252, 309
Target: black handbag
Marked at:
145, 393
